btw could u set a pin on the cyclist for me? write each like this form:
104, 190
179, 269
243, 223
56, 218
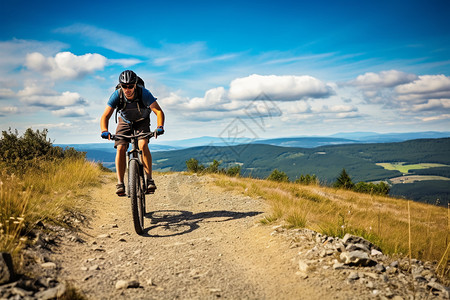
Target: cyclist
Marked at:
136, 109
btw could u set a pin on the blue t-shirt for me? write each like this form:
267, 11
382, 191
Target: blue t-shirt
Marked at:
132, 112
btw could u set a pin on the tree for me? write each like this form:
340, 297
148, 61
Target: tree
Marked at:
344, 181
213, 167
193, 166
234, 171
278, 176
307, 179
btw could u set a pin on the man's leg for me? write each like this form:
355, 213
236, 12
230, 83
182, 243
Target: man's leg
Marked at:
146, 157
121, 162
147, 162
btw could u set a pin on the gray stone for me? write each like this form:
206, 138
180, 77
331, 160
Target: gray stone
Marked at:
6, 268
353, 239
339, 266
104, 236
52, 293
380, 268
94, 268
394, 264
436, 287
356, 258
420, 279
121, 284
21, 292
303, 266
375, 252
48, 265
133, 284
356, 247
353, 276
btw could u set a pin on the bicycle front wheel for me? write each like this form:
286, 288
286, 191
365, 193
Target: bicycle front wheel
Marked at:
136, 195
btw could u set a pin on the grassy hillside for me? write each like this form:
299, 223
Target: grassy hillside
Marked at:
326, 162
39, 182
335, 212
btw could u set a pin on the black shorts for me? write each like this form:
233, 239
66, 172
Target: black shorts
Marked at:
126, 129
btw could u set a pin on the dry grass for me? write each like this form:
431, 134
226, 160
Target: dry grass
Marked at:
47, 193
380, 219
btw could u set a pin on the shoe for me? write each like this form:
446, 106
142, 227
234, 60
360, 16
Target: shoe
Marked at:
151, 187
120, 189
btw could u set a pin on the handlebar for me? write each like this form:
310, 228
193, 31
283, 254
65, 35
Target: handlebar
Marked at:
142, 134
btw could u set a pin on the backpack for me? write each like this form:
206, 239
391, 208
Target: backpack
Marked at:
140, 84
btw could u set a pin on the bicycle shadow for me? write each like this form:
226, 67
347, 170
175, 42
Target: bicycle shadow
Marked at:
168, 223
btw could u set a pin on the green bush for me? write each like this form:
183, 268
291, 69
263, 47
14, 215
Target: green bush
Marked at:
307, 179
234, 171
278, 176
193, 166
213, 167
372, 188
19, 152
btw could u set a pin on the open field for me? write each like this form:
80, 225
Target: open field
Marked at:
405, 168
414, 178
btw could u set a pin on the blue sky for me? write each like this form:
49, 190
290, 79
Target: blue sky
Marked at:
228, 68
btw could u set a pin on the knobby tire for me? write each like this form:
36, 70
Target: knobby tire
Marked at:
136, 195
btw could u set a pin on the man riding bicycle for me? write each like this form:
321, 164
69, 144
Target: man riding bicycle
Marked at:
134, 103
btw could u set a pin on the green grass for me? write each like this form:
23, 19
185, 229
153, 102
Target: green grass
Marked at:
405, 168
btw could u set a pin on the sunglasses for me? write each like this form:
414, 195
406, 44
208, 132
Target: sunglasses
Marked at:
127, 86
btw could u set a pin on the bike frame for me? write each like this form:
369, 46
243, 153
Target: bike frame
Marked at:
136, 187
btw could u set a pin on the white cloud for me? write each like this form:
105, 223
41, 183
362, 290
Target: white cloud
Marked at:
432, 105
57, 125
214, 99
278, 88
65, 65
6, 93
125, 62
382, 79
8, 110
426, 85
70, 112
38, 95
436, 118
428, 97
13, 53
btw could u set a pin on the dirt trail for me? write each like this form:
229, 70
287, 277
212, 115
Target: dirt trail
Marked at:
200, 242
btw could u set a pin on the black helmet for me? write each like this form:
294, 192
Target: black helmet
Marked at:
127, 77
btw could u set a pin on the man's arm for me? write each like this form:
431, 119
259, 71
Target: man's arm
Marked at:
104, 120
158, 112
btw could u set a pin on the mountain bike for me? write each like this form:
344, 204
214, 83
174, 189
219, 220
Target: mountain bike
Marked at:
136, 187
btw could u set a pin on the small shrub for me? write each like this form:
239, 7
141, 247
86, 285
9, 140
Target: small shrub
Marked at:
213, 167
234, 171
371, 188
307, 179
278, 176
193, 166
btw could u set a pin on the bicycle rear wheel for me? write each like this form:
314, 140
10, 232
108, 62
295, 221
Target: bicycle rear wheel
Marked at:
136, 196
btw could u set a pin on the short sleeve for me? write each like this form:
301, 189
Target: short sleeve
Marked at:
147, 97
114, 99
